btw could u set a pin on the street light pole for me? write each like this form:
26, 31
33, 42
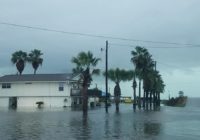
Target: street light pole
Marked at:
134, 93
106, 78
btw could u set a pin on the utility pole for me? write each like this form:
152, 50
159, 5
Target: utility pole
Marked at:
106, 77
155, 64
134, 92
156, 96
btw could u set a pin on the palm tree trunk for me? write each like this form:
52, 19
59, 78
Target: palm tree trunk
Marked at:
139, 100
134, 95
117, 94
85, 89
150, 100
85, 99
117, 100
20, 66
147, 100
158, 99
154, 100
144, 99
34, 71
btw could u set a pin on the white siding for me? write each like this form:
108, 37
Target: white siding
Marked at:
4, 102
35, 89
28, 94
48, 101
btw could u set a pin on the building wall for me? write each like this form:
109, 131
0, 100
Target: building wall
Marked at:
35, 89
48, 101
29, 93
4, 101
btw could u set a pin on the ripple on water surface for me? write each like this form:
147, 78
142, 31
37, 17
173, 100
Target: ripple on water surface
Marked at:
168, 123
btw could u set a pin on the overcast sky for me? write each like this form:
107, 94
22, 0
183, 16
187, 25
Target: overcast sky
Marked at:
155, 20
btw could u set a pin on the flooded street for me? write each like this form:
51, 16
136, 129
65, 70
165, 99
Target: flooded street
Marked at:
168, 123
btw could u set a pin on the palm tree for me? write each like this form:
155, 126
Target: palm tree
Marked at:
19, 58
159, 88
147, 83
85, 66
153, 84
117, 75
138, 59
138, 74
149, 86
35, 59
144, 65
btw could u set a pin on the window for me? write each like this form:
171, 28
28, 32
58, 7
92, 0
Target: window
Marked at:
6, 85
61, 87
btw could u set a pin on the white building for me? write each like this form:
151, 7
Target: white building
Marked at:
51, 90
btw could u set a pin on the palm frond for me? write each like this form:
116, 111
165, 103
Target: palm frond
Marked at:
77, 70
18, 55
84, 61
96, 72
117, 75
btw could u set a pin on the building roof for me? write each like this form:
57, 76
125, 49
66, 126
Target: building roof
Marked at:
36, 77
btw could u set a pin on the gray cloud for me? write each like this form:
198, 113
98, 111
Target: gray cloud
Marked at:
165, 21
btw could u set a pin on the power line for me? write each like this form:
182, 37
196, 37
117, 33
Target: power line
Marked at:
96, 36
158, 47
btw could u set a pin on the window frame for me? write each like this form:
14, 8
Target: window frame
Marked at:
61, 86
6, 85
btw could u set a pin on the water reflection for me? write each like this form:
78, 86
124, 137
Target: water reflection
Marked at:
107, 126
80, 128
117, 125
66, 124
152, 128
86, 130
23, 126
132, 125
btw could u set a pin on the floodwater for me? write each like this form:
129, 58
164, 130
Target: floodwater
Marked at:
66, 124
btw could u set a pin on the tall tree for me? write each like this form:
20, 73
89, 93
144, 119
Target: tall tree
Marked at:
117, 75
139, 56
159, 88
147, 70
19, 58
85, 66
35, 59
155, 86
144, 67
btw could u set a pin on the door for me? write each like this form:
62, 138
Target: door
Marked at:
13, 102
